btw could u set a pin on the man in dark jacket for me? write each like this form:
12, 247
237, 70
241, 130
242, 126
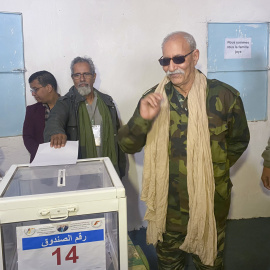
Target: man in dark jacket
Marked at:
87, 115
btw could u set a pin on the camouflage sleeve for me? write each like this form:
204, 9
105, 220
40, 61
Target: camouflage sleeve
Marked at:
266, 155
132, 136
238, 136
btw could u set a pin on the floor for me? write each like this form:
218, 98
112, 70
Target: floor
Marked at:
247, 245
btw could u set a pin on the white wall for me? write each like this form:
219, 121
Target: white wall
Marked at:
123, 38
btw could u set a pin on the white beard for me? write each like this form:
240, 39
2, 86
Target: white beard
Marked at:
84, 90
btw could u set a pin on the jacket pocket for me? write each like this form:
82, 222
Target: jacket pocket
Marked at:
218, 143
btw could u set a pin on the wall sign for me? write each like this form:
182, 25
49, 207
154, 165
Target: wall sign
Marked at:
237, 48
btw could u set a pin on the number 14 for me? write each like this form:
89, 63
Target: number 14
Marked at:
71, 256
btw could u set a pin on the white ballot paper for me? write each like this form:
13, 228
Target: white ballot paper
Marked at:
71, 245
47, 155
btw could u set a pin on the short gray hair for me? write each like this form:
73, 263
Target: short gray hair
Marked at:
188, 37
84, 59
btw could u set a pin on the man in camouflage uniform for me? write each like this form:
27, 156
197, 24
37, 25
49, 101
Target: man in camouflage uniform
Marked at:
229, 137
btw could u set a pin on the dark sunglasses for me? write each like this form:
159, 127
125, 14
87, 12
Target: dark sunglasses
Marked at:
179, 59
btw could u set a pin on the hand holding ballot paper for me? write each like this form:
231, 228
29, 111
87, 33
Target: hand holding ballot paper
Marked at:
47, 155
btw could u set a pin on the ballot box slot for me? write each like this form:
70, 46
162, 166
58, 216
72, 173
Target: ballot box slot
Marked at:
61, 178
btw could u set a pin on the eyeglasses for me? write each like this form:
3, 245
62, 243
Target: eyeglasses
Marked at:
179, 59
35, 90
77, 76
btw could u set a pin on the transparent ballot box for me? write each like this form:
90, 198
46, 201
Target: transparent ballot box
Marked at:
63, 217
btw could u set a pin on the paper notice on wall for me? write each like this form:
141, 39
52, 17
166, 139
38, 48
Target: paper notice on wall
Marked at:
73, 245
237, 48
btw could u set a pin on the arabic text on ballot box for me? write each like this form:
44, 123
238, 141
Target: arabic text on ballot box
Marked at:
66, 245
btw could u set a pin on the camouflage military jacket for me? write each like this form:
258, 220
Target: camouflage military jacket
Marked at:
229, 137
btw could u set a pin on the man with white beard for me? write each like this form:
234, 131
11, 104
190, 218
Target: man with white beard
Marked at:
87, 115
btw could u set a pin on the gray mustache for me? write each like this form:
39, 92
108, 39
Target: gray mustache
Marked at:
178, 71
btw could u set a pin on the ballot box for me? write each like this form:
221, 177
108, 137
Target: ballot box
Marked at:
63, 217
